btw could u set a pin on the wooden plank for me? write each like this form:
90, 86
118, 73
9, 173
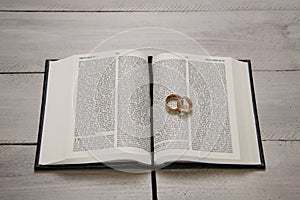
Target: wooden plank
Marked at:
277, 95
281, 179
149, 5
19, 181
269, 38
20, 100
278, 102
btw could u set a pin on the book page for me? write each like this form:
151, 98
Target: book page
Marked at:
101, 99
210, 130
248, 136
57, 124
133, 103
170, 131
112, 104
94, 104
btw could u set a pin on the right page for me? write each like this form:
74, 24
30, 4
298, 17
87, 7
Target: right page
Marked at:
215, 131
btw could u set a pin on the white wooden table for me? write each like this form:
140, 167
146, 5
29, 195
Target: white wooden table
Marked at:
267, 32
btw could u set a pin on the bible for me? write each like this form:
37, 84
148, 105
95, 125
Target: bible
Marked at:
108, 109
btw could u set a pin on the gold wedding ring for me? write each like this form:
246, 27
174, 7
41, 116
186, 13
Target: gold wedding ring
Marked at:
169, 108
185, 108
181, 108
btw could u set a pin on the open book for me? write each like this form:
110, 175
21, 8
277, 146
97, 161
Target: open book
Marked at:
110, 108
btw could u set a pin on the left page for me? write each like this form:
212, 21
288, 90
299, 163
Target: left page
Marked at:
106, 122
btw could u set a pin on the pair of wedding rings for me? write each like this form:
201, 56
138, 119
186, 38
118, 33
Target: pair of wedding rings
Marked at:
181, 107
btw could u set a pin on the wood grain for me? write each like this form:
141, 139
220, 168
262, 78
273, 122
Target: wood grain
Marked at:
149, 5
281, 179
267, 32
277, 94
19, 181
20, 100
278, 102
270, 39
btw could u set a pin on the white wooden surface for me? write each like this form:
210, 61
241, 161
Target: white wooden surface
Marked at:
19, 181
148, 5
267, 32
269, 38
281, 179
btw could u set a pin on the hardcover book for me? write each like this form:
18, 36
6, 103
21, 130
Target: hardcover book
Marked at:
109, 109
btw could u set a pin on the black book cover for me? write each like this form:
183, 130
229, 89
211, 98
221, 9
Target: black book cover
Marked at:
138, 165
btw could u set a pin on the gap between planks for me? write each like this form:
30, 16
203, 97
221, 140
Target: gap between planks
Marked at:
137, 11
148, 5
255, 70
34, 143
